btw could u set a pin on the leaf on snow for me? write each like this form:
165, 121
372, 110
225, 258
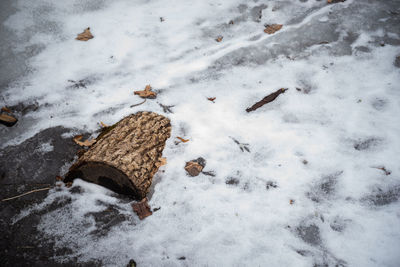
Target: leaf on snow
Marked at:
142, 208
211, 99
146, 93
219, 38
271, 29
85, 35
77, 139
183, 140
7, 120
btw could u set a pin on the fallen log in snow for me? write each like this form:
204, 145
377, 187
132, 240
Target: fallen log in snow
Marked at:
126, 155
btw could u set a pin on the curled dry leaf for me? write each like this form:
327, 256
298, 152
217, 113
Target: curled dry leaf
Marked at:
6, 109
146, 93
193, 168
85, 35
211, 99
77, 139
183, 140
142, 208
219, 38
7, 120
270, 29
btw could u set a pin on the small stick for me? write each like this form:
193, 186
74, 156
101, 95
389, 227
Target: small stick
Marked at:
135, 105
27, 193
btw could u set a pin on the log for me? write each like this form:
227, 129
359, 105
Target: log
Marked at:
125, 156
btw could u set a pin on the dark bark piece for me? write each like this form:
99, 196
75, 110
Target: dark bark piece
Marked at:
7, 120
266, 100
334, 1
126, 156
142, 209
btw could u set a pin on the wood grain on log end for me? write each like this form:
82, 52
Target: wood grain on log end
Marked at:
126, 158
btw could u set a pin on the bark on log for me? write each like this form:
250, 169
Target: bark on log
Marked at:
125, 158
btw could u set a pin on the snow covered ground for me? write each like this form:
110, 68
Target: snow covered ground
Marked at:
311, 191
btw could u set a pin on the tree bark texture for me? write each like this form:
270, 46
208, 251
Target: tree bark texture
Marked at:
125, 158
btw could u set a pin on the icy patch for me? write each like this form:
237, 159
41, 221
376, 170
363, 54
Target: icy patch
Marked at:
45, 148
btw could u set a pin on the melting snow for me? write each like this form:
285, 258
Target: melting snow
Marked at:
307, 192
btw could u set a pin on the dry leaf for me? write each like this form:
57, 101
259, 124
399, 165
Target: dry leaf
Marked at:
161, 162
270, 29
142, 208
193, 168
85, 35
6, 109
146, 93
219, 39
84, 143
7, 120
291, 202
231, 22
103, 125
183, 140
211, 99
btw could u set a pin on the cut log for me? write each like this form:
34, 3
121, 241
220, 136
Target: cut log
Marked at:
125, 156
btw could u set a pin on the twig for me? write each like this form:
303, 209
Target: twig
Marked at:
135, 105
27, 193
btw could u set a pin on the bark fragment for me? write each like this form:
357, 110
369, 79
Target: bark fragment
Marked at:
266, 100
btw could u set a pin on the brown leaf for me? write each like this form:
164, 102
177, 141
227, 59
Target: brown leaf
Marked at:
142, 208
146, 93
6, 109
84, 143
85, 35
7, 120
183, 140
266, 100
193, 168
211, 99
103, 125
219, 39
270, 29
231, 22
291, 202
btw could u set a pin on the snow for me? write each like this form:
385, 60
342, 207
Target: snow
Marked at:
344, 123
